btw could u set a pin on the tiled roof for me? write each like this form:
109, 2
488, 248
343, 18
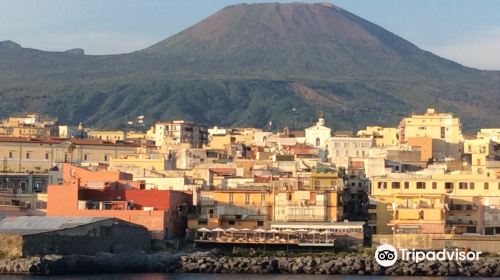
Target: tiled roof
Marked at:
77, 141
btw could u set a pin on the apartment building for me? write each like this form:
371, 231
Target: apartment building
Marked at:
238, 208
315, 198
341, 149
383, 136
30, 125
444, 129
175, 133
23, 194
107, 135
459, 202
86, 193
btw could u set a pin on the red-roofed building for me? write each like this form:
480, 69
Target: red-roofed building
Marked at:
114, 194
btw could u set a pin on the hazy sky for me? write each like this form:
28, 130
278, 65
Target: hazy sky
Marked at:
467, 31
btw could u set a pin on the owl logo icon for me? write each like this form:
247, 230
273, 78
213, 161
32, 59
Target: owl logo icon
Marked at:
386, 255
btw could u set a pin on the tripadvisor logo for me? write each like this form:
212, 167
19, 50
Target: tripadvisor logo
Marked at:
386, 255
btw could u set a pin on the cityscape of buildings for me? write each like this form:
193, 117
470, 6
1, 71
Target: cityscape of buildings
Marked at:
420, 184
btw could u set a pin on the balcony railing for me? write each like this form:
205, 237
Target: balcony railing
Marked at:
461, 222
462, 207
242, 217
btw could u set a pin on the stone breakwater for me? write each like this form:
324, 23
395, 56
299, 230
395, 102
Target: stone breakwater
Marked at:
343, 265
102, 263
206, 262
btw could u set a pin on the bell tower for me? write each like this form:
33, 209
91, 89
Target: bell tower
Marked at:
321, 119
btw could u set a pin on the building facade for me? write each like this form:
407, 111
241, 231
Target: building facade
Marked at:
318, 134
174, 133
443, 128
39, 155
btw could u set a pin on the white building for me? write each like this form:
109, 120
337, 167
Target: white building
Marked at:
318, 134
180, 132
338, 146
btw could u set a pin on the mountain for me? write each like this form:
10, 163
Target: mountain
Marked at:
248, 64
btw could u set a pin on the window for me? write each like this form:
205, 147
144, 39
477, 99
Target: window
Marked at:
65, 157
85, 157
316, 184
22, 184
317, 142
46, 155
262, 199
420, 185
27, 155
10, 155
434, 185
231, 199
471, 185
407, 185
486, 185
462, 185
38, 186
443, 132
202, 222
231, 223
247, 199
448, 186
382, 185
105, 157
260, 223
41, 205
396, 185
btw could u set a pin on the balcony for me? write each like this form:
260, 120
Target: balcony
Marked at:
460, 222
462, 207
107, 205
428, 215
242, 217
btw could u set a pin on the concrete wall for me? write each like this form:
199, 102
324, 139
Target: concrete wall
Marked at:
10, 246
439, 241
88, 240
410, 241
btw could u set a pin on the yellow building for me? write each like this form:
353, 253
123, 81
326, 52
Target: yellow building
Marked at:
315, 198
221, 142
107, 135
435, 203
383, 136
126, 162
23, 155
137, 135
237, 208
307, 206
323, 178
444, 129
30, 125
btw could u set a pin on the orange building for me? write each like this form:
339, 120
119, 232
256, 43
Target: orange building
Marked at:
114, 194
425, 145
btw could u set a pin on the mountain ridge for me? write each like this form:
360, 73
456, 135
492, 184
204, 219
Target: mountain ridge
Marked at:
248, 64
